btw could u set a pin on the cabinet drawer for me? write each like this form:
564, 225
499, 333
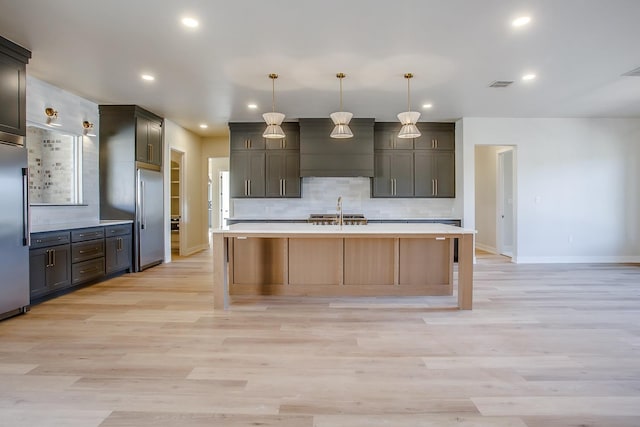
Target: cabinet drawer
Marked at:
49, 238
117, 230
87, 270
87, 250
82, 234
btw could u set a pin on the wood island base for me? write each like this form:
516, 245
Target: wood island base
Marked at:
360, 261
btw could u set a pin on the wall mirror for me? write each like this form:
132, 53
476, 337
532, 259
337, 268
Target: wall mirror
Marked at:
55, 166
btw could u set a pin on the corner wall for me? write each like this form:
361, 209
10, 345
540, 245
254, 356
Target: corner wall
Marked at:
194, 215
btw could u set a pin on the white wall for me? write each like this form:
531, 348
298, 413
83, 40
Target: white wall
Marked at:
576, 185
72, 111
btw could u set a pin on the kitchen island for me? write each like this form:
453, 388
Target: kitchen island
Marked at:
332, 260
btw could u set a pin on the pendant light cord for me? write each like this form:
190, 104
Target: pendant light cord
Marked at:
273, 94
409, 93
340, 93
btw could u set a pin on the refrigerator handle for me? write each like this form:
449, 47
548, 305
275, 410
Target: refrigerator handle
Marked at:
141, 199
26, 213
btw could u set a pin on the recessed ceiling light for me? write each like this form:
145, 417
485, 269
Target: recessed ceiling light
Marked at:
204, 126
521, 21
190, 22
427, 106
528, 77
148, 77
252, 106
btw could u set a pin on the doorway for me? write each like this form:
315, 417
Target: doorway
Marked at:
495, 196
218, 192
504, 200
177, 193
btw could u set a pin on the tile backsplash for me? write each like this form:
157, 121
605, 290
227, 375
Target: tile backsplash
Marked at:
320, 195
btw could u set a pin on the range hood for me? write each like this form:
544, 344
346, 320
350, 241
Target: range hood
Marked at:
321, 155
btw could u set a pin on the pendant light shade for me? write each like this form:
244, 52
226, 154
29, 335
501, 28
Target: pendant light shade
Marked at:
409, 118
273, 119
341, 118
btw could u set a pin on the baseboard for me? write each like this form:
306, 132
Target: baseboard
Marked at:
579, 260
195, 249
486, 248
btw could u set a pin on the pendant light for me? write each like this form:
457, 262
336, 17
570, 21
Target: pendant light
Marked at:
409, 118
273, 119
341, 118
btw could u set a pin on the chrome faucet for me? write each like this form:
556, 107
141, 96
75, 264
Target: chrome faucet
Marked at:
339, 208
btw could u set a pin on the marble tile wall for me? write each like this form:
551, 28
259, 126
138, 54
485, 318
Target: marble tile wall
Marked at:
319, 195
72, 110
51, 164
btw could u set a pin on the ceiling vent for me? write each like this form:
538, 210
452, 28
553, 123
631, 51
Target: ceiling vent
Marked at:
501, 83
634, 73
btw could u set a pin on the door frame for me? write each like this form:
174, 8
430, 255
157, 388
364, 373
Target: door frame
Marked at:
182, 189
500, 205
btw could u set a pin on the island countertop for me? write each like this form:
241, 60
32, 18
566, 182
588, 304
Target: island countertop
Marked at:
376, 229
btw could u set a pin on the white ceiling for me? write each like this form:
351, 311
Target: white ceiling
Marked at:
579, 50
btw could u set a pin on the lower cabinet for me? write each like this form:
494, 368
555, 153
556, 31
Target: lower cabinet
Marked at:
49, 269
60, 260
118, 247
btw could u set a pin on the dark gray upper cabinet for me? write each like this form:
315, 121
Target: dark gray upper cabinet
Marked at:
282, 173
13, 106
435, 174
148, 140
261, 167
385, 137
436, 136
420, 167
321, 155
247, 174
394, 174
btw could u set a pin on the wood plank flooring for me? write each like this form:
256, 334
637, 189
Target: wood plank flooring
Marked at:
545, 346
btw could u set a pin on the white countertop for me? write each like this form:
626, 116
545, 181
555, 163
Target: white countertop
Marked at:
368, 229
81, 224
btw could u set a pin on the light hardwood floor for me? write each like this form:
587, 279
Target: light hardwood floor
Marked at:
545, 346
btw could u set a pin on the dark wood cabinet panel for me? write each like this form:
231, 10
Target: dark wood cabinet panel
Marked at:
49, 269
13, 60
148, 141
435, 174
436, 136
247, 174
393, 174
321, 155
118, 253
432, 167
282, 173
261, 167
385, 137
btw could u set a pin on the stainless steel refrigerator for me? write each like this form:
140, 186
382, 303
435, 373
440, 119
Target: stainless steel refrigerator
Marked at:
149, 219
14, 230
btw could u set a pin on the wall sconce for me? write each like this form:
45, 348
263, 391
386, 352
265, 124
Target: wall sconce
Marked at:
87, 128
52, 117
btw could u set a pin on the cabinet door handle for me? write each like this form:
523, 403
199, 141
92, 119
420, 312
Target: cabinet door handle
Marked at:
284, 187
433, 187
248, 187
436, 186
48, 258
53, 257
